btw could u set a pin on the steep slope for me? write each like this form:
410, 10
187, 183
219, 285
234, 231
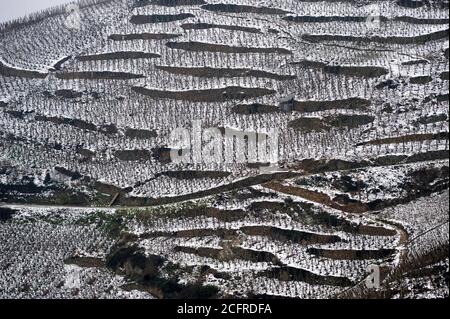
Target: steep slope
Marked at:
350, 96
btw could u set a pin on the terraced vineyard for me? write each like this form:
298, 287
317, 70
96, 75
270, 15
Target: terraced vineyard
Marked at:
353, 94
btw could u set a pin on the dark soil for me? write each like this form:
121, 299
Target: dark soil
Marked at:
212, 95
209, 47
10, 71
352, 254
225, 73
140, 134
317, 106
420, 39
159, 18
234, 8
204, 26
6, 214
126, 55
133, 155
98, 75
143, 36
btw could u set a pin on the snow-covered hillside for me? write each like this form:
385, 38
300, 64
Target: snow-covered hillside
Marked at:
354, 93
